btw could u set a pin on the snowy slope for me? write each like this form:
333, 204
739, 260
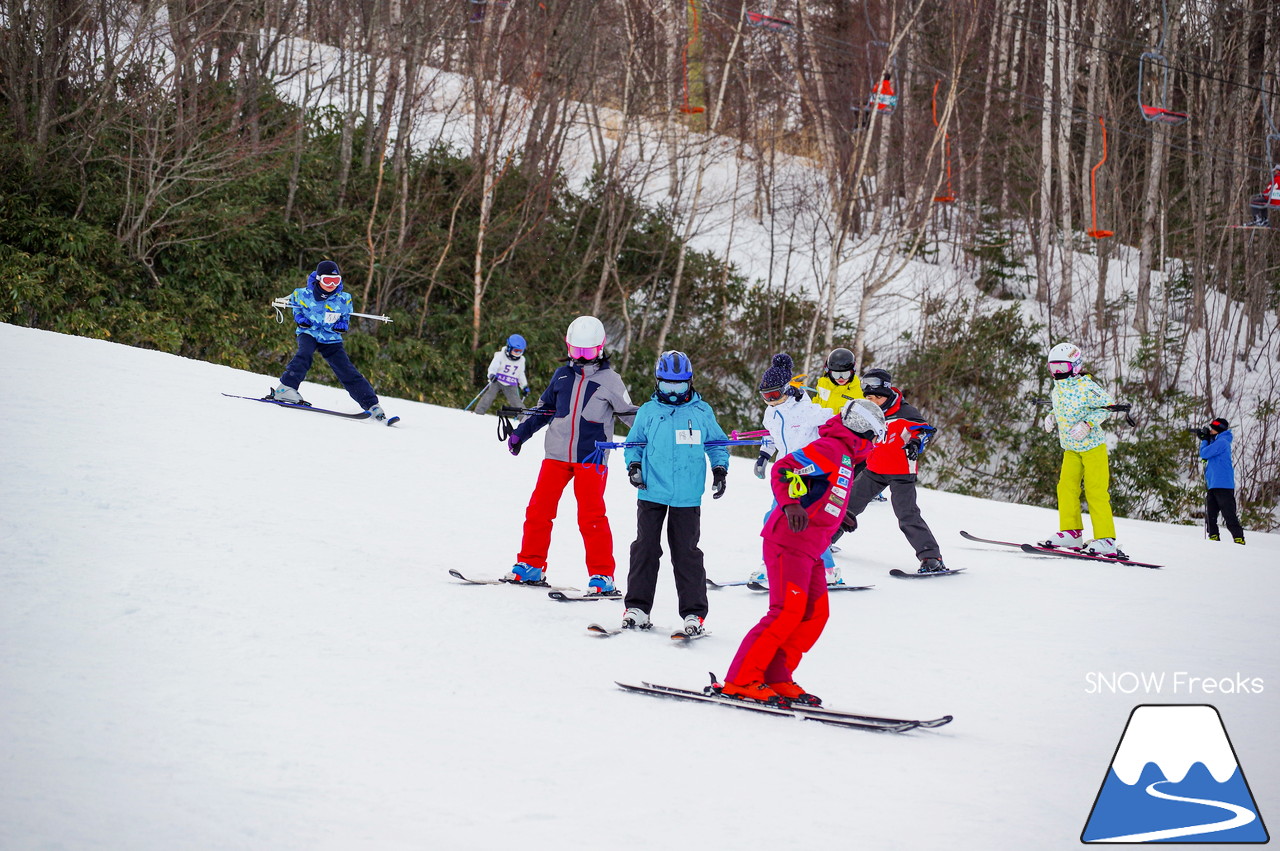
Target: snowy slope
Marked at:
228, 625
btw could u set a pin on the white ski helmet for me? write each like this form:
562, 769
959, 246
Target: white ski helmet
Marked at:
863, 417
585, 338
1065, 360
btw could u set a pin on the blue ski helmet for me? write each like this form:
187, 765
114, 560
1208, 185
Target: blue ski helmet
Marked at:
515, 341
673, 366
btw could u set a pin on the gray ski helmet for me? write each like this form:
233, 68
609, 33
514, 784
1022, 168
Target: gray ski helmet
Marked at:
864, 418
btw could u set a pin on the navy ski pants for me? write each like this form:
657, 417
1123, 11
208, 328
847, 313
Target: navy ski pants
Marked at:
336, 356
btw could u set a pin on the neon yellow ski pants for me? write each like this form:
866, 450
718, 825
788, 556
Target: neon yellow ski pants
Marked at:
1090, 470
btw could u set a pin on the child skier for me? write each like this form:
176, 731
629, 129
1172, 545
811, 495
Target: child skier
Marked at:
578, 408
1219, 480
837, 386
792, 420
323, 313
670, 473
1267, 203
892, 464
1079, 409
506, 373
810, 503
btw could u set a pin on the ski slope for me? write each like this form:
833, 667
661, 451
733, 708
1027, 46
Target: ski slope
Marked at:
229, 625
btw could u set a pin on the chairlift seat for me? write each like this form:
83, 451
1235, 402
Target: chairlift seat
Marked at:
1101, 234
1164, 116
768, 22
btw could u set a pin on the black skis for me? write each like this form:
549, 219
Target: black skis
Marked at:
902, 574
679, 635
303, 406
806, 713
560, 595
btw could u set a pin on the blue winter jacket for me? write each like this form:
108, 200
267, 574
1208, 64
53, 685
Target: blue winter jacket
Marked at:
1218, 469
326, 313
672, 461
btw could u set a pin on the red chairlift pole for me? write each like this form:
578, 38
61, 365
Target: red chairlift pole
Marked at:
950, 196
1093, 186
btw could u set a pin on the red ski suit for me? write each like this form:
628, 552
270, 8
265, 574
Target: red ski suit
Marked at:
819, 476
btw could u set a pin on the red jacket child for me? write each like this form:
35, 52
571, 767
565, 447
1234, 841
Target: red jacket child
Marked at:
812, 489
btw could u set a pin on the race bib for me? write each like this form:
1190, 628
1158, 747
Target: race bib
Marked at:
690, 436
330, 317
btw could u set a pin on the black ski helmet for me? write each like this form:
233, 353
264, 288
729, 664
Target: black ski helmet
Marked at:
840, 360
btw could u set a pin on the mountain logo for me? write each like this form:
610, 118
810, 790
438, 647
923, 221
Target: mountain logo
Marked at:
1175, 778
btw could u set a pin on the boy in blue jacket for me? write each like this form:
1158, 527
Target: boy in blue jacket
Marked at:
323, 313
1219, 480
670, 473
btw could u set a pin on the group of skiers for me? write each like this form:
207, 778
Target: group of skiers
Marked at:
831, 455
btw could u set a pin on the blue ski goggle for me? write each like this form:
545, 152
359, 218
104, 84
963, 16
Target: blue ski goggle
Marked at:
673, 388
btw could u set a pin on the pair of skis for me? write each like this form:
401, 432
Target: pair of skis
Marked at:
1059, 551
760, 586
833, 717
561, 593
676, 635
303, 406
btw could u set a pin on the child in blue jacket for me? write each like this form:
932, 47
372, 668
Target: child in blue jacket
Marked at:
670, 472
1219, 480
323, 313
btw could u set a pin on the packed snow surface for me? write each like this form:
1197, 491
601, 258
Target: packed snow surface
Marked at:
225, 624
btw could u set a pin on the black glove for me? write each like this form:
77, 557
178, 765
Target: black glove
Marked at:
524, 392
1203, 433
634, 475
849, 524
717, 481
912, 448
761, 460
797, 517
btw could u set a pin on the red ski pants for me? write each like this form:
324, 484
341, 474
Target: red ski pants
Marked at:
588, 488
797, 614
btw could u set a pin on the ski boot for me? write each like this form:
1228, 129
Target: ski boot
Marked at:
693, 625
1103, 547
377, 414
792, 693
1215, 537
634, 618
1067, 539
285, 393
833, 575
932, 565
755, 691
601, 586
1239, 540
759, 578
521, 572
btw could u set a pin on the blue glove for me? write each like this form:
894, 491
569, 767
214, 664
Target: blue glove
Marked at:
513, 444
302, 323
524, 392
341, 327
761, 460
635, 475
492, 377
717, 481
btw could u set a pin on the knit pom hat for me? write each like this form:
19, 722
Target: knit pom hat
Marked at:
1220, 424
779, 373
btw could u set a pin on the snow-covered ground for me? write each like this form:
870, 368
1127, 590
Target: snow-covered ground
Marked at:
228, 625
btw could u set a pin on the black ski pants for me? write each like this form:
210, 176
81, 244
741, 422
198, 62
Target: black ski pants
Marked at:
1221, 501
902, 496
336, 356
684, 528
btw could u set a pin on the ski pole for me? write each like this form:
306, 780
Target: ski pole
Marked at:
478, 395
281, 303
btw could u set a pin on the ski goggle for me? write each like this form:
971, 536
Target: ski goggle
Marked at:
874, 382
673, 388
1061, 367
585, 352
515, 353
773, 394
330, 281
841, 375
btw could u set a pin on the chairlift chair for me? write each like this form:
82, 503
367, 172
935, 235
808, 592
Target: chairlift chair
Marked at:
1093, 186
769, 22
1159, 113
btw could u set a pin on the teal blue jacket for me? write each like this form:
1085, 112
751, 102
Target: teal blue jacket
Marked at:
674, 457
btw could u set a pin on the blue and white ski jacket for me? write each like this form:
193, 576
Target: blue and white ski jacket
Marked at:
674, 458
327, 314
